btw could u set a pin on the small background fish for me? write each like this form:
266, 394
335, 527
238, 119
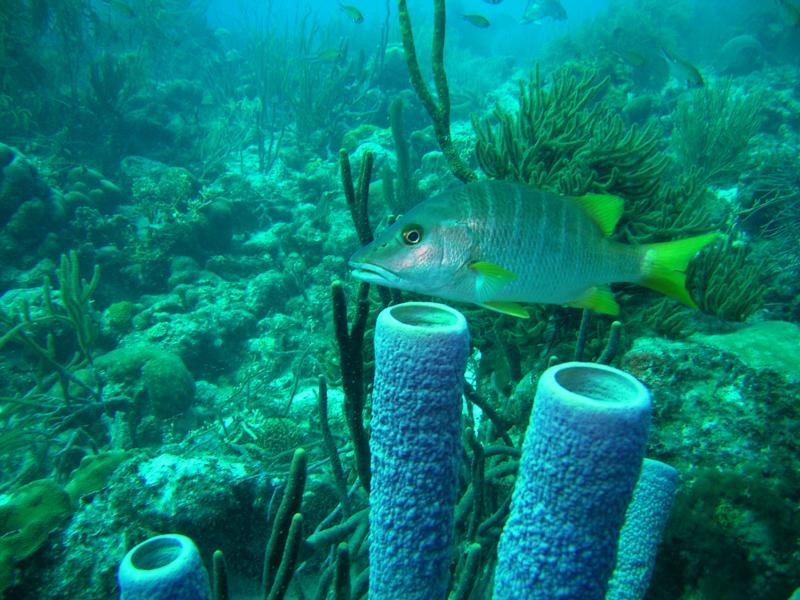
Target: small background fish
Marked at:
476, 20
682, 70
352, 13
537, 11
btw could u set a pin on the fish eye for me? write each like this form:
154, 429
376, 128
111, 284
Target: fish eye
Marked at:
412, 234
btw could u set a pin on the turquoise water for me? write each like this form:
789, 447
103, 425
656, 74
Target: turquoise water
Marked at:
175, 294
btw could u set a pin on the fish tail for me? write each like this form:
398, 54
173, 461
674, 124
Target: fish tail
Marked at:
665, 263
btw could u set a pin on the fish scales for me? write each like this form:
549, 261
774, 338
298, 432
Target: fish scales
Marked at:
548, 241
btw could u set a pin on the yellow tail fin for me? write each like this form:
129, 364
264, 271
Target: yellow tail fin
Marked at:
665, 265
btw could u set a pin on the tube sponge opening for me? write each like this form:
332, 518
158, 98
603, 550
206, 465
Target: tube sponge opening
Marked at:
164, 567
581, 458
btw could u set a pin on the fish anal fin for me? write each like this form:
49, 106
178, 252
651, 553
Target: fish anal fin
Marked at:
604, 209
599, 298
508, 308
492, 279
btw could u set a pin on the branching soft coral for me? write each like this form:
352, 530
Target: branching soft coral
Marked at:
713, 127
565, 139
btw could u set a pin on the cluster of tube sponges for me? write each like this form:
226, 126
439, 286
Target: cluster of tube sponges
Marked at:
587, 510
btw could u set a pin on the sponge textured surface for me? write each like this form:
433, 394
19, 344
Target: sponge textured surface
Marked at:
420, 357
581, 458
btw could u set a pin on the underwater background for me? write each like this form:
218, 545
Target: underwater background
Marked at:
182, 183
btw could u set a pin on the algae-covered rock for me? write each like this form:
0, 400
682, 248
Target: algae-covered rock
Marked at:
159, 373
89, 187
216, 230
19, 182
219, 502
209, 497
731, 428
169, 384
26, 518
741, 55
118, 317
773, 345
93, 473
29, 209
355, 137
157, 185
280, 434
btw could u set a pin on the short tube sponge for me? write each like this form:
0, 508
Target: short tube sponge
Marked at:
581, 458
164, 567
421, 350
645, 520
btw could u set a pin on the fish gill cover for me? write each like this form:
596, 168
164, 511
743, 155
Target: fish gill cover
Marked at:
184, 348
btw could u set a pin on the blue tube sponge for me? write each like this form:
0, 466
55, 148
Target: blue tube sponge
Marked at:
581, 458
164, 567
645, 520
421, 350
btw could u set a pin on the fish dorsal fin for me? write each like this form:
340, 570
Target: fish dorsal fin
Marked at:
491, 279
507, 308
604, 209
598, 298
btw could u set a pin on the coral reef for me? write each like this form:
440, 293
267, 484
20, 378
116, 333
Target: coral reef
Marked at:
713, 128
563, 138
29, 209
166, 382
183, 350
731, 430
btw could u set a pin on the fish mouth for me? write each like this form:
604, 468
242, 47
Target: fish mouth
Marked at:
374, 274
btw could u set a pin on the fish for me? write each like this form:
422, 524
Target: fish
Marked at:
632, 57
537, 11
352, 13
791, 11
498, 244
330, 55
122, 8
683, 70
477, 20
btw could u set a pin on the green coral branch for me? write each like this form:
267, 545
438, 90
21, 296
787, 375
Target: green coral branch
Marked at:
331, 447
351, 360
668, 212
438, 108
73, 309
407, 190
283, 577
563, 139
341, 577
725, 280
281, 551
75, 295
713, 127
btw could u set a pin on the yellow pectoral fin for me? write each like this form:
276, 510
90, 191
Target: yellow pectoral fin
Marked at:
598, 298
491, 279
507, 308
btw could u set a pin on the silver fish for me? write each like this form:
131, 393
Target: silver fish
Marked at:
496, 244
537, 11
682, 70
